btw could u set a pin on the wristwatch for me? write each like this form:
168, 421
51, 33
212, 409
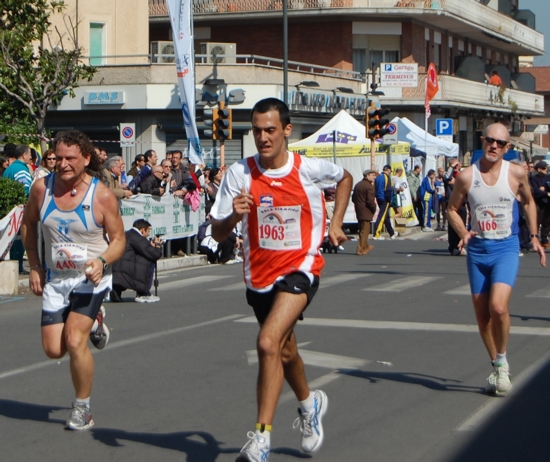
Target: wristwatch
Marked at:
105, 265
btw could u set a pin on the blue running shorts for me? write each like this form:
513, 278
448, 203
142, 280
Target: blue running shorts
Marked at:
492, 260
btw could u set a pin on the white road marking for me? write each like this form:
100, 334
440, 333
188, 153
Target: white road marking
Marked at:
191, 282
399, 285
333, 280
410, 326
237, 286
494, 403
462, 290
122, 343
316, 358
541, 293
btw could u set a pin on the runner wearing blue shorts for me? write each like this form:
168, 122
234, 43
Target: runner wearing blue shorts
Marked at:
491, 186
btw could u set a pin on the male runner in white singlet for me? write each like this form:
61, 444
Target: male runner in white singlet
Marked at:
278, 196
77, 211
491, 186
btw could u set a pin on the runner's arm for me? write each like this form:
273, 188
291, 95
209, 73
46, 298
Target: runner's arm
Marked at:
109, 216
343, 191
460, 191
29, 235
222, 228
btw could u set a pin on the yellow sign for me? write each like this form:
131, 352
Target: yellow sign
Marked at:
350, 150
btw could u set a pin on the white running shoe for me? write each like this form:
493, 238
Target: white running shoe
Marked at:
255, 450
80, 418
499, 382
100, 335
147, 299
427, 230
381, 238
311, 423
395, 235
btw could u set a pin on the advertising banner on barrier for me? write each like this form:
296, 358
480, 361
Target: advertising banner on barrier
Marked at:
9, 227
169, 216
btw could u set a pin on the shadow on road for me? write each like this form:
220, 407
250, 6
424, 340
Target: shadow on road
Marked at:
428, 381
529, 318
518, 431
29, 411
199, 446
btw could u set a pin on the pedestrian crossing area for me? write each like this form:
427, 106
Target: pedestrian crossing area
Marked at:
365, 282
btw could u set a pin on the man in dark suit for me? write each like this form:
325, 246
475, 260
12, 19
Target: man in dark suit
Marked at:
365, 208
136, 268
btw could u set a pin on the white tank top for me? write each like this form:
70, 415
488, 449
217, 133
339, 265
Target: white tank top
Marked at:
491, 207
71, 236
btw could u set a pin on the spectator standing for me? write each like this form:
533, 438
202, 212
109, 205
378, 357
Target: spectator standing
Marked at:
19, 170
281, 273
136, 269
365, 208
440, 206
150, 157
449, 178
427, 190
47, 165
540, 187
137, 165
495, 79
399, 182
413, 179
215, 179
4, 164
154, 183
383, 191
167, 175
112, 173
9, 152
180, 174
330, 197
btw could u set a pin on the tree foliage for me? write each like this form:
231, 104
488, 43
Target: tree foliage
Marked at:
39, 64
12, 194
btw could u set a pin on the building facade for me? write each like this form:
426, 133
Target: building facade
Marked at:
336, 51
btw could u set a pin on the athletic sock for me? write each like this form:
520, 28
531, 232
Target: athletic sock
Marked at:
83, 402
265, 432
308, 404
501, 359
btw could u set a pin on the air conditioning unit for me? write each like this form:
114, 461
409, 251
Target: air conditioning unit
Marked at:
220, 53
165, 50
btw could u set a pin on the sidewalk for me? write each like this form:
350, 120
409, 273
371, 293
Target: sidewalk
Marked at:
164, 264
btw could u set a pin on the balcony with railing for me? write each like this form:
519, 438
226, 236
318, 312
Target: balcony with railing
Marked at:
468, 18
262, 70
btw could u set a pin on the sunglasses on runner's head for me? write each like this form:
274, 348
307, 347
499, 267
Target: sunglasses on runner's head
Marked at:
500, 143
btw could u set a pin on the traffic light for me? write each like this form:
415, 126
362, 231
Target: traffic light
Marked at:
224, 124
376, 126
210, 117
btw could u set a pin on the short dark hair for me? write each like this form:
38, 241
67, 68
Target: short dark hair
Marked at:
20, 151
139, 158
141, 224
272, 104
431, 171
148, 154
9, 149
213, 172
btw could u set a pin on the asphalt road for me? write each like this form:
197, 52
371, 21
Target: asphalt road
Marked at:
390, 337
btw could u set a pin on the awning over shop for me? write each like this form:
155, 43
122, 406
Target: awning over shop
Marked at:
522, 143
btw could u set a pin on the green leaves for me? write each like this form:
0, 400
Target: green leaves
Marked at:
12, 193
32, 77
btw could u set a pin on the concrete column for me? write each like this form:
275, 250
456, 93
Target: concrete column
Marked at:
9, 277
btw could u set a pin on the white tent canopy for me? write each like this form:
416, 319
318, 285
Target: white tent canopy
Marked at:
423, 141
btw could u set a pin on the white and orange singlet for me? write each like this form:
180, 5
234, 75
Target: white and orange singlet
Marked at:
285, 228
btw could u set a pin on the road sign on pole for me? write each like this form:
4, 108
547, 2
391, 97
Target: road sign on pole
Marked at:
127, 135
391, 136
444, 127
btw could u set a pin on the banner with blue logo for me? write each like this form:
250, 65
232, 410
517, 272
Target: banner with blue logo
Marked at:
180, 19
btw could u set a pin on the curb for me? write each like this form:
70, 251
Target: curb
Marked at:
164, 264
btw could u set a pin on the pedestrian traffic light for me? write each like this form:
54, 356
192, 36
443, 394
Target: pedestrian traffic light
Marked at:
210, 116
224, 124
376, 126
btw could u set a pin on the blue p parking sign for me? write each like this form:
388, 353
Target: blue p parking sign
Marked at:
444, 127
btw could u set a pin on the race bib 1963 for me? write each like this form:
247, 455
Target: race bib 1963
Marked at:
69, 257
279, 227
